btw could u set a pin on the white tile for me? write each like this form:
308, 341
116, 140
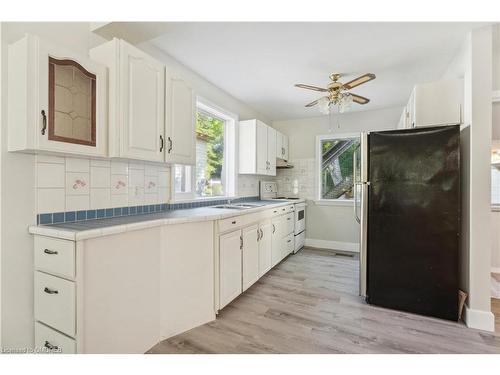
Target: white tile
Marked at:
77, 202
136, 165
136, 178
77, 183
99, 177
119, 167
50, 175
100, 163
150, 170
163, 194
151, 184
41, 158
163, 178
100, 198
77, 165
151, 198
119, 184
119, 200
51, 200
135, 196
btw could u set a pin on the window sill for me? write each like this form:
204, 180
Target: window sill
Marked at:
334, 202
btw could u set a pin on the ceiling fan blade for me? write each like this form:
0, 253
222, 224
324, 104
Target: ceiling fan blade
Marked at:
309, 87
315, 102
359, 99
359, 81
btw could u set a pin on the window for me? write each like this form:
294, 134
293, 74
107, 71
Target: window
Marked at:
334, 157
495, 177
213, 174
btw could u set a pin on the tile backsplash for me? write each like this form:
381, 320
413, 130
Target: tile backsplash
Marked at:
302, 175
75, 184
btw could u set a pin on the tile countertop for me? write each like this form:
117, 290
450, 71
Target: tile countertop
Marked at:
83, 230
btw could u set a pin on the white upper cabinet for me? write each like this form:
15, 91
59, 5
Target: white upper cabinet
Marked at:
257, 148
181, 122
434, 104
281, 146
136, 101
57, 100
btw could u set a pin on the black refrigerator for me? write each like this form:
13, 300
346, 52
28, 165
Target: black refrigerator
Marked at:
407, 194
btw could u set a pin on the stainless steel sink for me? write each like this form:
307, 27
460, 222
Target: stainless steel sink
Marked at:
231, 207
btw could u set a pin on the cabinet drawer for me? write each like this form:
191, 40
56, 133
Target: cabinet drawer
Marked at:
232, 223
55, 302
289, 224
48, 340
288, 245
55, 256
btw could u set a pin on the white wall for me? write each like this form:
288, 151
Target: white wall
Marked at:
18, 188
329, 226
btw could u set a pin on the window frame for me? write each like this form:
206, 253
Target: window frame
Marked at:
228, 174
319, 139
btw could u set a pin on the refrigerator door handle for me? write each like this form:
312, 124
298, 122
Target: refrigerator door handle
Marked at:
355, 184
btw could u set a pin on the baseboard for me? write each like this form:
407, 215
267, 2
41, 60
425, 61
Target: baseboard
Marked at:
479, 319
333, 245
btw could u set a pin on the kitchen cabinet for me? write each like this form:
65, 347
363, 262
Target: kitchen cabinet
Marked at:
249, 246
265, 247
281, 146
136, 101
250, 255
434, 104
257, 148
180, 122
123, 292
230, 247
57, 100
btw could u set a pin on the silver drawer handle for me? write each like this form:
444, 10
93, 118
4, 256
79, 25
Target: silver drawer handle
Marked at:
50, 291
50, 252
49, 346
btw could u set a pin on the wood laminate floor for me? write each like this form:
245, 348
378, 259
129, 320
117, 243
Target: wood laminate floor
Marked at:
309, 304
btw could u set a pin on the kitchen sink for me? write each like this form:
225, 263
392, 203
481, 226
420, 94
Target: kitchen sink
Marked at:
239, 206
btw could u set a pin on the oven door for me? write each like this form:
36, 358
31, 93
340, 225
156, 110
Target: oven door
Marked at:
300, 218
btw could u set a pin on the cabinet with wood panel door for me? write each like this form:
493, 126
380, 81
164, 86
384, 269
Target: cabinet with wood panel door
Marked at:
136, 101
57, 100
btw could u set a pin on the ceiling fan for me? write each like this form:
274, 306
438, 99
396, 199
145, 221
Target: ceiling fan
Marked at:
338, 93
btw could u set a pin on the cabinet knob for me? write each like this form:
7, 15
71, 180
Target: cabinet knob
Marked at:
169, 144
50, 291
44, 122
161, 143
49, 346
50, 252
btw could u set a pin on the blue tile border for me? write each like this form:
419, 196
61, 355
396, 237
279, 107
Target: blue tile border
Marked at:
106, 213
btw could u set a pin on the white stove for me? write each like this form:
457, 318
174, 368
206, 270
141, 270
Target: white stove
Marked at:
269, 191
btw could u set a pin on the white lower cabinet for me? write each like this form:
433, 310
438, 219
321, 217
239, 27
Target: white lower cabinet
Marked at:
249, 246
129, 291
230, 246
250, 255
265, 247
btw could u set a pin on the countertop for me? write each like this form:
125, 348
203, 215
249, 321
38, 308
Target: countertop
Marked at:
87, 229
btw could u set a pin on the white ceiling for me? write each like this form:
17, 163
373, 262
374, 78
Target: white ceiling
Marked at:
259, 63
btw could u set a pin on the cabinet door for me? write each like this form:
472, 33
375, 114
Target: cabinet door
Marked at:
277, 240
142, 95
265, 247
250, 256
285, 147
230, 267
279, 145
71, 112
271, 151
262, 160
181, 123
